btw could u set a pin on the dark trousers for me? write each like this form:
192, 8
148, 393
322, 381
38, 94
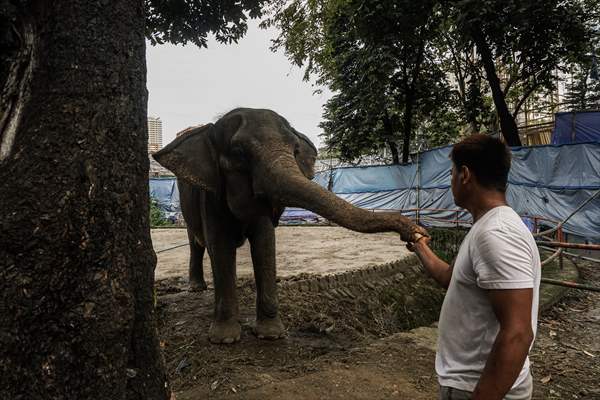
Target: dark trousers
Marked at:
523, 392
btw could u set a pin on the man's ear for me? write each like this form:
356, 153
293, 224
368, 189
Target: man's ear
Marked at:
466, 174
193, 158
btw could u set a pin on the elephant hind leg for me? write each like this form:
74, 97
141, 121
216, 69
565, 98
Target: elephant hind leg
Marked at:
196, 270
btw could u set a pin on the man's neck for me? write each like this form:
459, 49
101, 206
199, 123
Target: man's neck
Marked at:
484, 201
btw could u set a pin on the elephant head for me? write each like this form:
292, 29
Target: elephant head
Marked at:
258, 163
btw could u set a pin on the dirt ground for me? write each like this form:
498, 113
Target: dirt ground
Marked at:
340, 346
313, 250
566, 354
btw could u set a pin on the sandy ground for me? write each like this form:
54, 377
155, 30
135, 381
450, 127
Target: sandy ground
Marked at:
320, 250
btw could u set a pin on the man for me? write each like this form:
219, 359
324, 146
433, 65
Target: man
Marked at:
489, 316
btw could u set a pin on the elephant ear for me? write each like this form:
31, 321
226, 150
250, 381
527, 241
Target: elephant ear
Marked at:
192, 158
307, 155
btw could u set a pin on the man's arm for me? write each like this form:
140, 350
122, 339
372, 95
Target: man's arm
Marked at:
513, 311
436, 267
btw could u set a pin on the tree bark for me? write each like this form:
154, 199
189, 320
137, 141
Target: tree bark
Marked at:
461, 79
407, 129
508, 125
410, 102
390, 130
524, 98
77, 316
394, 151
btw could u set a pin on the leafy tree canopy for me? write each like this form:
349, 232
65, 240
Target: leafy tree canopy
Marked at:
583, 89
382, 59
377, 57
529, 40
183, 21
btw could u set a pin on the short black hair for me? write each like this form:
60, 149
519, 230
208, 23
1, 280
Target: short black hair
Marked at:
486, 157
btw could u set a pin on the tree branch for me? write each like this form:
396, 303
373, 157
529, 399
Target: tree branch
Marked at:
522, 101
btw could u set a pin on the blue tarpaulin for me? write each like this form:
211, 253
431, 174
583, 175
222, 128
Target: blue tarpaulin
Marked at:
164, 192
544, 181
576, 127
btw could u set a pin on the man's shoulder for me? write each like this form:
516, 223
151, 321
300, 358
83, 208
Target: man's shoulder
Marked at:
504, 220
505, 231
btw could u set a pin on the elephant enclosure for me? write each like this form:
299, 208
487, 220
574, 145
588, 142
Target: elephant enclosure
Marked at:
339, 292
358, 332
317, 250
334, 327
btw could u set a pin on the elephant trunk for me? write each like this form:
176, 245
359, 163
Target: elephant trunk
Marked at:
289, 187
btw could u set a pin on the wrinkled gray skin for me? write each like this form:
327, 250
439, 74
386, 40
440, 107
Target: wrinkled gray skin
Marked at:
235, 178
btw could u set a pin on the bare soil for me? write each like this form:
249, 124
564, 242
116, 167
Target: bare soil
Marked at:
353, 342
566, 355
340, 344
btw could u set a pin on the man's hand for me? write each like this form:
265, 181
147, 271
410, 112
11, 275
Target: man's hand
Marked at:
419, 240
418, 233
437, 268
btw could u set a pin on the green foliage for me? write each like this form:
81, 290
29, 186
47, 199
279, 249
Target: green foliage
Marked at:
446, 241
582, 92
388, 62
529, 41
442, 128
377, 58
400, 306
301, 23
182, 21
156, 215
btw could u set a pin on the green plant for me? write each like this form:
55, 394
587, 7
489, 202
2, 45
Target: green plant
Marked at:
156, 215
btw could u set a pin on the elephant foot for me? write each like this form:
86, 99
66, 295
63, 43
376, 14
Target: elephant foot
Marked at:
225, 332
269, 328
197, 286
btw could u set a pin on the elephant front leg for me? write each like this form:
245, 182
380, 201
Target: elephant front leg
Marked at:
262, 244
196, 271
225, 327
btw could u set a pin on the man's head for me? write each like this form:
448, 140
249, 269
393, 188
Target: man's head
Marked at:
480, 164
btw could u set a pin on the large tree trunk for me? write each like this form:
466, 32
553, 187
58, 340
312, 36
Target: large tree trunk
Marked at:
77, 314
507, 122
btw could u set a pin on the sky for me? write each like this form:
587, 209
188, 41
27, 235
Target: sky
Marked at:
189, 86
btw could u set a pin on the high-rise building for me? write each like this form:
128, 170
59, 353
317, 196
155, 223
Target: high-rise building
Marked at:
154, 134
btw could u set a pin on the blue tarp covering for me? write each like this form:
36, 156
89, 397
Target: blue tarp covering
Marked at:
164, 192
576, 127
545, 181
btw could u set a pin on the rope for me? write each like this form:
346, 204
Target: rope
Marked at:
171, 248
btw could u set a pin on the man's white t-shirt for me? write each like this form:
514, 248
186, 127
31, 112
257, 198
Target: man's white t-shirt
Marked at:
499, 252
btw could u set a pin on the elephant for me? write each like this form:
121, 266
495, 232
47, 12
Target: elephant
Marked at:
236, 176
